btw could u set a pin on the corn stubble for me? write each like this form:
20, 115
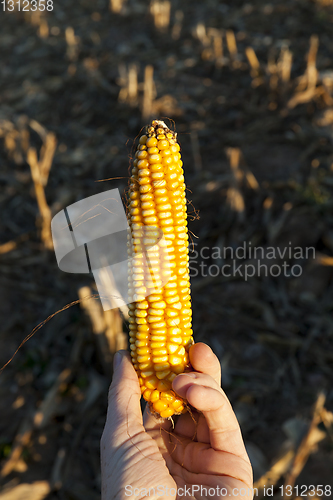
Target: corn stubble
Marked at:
160, 314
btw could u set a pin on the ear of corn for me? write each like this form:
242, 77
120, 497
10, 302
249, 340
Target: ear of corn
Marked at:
160, 316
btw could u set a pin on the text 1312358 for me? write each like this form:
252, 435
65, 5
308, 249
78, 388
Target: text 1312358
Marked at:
27, 5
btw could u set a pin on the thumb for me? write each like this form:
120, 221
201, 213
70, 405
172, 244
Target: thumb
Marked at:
124, 394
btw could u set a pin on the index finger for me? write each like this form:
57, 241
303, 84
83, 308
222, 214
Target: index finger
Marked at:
224, 430
205, 361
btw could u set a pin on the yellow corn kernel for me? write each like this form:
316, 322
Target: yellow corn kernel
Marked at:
155, 345
151, 382
172, 348
163, 385
161, 359
160, 406
168, 412
147, 394
146, 366
171, 377
160, 316
168, 396
162, 374
160, 352
155, 396
161, 367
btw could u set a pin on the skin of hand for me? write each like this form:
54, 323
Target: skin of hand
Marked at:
141, 453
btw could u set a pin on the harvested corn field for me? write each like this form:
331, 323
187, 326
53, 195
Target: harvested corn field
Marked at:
250, 89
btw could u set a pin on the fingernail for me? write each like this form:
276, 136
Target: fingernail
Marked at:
192, 375
117, 360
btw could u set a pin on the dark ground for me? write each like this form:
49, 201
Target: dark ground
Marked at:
258, 159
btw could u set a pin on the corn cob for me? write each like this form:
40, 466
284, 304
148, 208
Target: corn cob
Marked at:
160, 317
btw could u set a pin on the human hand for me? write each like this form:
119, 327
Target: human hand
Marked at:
204, 449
